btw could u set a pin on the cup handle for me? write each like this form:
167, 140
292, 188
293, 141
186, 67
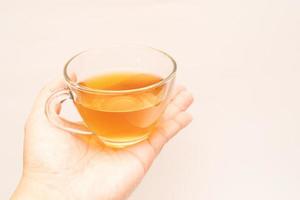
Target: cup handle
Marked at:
54, 102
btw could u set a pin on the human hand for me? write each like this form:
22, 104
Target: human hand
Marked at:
61, 165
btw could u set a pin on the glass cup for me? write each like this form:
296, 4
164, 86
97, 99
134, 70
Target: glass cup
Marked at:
119, 117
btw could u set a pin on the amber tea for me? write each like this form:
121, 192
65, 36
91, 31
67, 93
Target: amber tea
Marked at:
121, 117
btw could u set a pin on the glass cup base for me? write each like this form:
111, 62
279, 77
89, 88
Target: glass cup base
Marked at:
121, 144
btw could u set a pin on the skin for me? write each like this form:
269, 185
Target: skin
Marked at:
61, 165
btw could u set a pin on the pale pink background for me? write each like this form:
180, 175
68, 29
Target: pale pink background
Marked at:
241, 59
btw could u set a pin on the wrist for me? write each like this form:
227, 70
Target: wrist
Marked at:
30, 189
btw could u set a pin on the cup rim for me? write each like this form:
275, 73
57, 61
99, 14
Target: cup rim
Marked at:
106, 91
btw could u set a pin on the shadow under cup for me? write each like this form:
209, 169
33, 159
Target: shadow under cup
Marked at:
119, 117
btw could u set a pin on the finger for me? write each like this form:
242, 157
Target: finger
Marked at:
143, 152
177, 89
58, 108
179, 103
146, 151
44, 94
48, 90
169, 129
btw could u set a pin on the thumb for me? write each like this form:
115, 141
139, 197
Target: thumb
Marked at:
40, 102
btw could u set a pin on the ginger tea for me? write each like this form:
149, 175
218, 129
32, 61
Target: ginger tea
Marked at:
120, 117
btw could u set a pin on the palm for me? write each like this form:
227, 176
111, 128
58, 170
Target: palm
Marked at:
84, 168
